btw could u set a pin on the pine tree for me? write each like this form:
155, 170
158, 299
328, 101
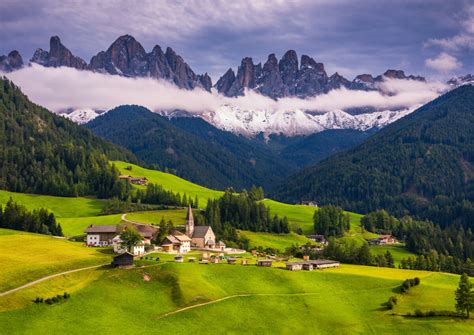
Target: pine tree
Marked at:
464, 296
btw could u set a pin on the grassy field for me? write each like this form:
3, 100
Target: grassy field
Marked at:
347, 300
27, 257
60, 206
275, 241
76, 226
398, 251
178, 216
170, 182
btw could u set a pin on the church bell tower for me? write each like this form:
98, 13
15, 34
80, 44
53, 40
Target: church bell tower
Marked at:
189, 222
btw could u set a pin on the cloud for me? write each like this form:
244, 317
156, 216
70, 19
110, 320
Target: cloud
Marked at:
61, 88
464, 39
443, 63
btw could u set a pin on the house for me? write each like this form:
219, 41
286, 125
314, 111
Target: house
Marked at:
134, 180
382, 240
176, 243
100, 236
309, 203
147, 231
138, 250
311, 265
123, 260
317, 238
264, 262
202, 237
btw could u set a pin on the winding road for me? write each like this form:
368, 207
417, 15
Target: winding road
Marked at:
49, 277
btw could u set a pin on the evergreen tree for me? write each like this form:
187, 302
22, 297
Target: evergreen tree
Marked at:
464, 295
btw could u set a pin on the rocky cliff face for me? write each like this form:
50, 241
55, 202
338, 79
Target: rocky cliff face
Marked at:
288, 77
58, 55
13, 61
127, 57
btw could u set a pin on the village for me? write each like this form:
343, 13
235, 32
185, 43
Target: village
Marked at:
193, 238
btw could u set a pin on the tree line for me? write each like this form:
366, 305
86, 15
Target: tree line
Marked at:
17, 217
242, 211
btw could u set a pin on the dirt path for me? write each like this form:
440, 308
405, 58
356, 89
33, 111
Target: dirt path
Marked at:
48, 277
231, 297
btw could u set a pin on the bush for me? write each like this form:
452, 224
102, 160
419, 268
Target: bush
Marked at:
417, 281
49, 301
419, 313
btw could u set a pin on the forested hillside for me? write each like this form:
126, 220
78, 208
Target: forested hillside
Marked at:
422, 164
194, 150
44, 153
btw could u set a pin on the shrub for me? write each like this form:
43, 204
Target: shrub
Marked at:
49, 301
417, 281
419, 313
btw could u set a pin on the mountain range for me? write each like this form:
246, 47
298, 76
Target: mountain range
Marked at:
196, 150
422, 165
289, 76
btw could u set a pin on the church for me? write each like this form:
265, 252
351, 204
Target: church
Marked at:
201, 236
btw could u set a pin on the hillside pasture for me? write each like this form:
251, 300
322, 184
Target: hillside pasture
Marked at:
27, 257
275, 241
191, 298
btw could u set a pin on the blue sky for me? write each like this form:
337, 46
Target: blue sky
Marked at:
430, 38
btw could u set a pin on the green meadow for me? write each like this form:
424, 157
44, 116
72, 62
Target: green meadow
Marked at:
27, 257
190, 298
178, 216
276, 241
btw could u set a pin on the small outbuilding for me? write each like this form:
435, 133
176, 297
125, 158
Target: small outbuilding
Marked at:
231, 260
294, 266
123, 260
264, 262
179, 259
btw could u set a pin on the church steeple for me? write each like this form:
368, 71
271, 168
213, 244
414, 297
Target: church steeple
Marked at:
190, 222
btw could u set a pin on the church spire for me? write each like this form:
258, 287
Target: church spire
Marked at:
190, 222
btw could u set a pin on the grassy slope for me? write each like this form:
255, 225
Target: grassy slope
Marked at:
27, 257
342, 301
280, 242
60, 206
178, 216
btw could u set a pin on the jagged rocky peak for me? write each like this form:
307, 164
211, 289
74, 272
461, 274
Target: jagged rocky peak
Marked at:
13, 61
468, 79
289, 68
127, 57
245, 77
364, 78
398, 74
225, 82
337, 81
58, 55
205, 81
270, 83
309, 63
124, 57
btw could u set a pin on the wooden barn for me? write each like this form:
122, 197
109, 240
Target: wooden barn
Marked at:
123, 260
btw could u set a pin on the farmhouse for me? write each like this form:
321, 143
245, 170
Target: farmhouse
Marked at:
382, 240
177, 243
138, 250
134, 180
100, 236
123, 260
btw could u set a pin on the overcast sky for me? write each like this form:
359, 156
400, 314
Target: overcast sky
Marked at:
431, 38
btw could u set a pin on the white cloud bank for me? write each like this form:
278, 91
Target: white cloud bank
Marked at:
444, 63
61, 88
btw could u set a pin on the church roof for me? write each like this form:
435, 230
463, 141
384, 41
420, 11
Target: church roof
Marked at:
200, 231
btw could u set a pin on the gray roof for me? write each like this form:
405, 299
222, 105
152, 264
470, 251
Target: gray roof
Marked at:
101, 229
200, 231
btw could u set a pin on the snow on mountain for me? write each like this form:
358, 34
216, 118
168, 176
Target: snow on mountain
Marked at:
297, 122
81, 116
